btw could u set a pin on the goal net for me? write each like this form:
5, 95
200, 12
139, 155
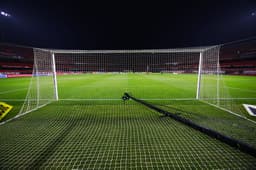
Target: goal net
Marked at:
212, 83
107, 74
42, 89
153, 75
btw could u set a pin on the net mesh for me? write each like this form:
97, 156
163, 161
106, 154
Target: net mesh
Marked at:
215, 87
41, 88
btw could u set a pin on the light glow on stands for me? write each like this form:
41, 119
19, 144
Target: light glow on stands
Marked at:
5, 14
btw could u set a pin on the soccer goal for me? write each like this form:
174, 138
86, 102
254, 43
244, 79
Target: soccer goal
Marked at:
191, 73
43, 84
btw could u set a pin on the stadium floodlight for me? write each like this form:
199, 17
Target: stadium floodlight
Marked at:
5, 14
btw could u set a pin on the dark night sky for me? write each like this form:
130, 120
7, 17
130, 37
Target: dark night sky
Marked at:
126, 24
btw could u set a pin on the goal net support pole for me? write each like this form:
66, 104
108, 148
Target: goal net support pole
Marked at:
54, 77
199, 76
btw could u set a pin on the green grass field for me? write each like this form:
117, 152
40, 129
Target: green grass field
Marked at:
92, 128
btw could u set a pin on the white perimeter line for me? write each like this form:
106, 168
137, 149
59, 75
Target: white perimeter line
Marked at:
13, 100
86, 99
26, 100
221, 108
242, 98
121, 99
164, 99
11, 91
76, 99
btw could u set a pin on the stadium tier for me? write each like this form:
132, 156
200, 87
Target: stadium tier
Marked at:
238, 58
121, 109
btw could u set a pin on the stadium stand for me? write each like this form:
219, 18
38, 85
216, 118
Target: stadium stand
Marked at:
237, 58
16, 60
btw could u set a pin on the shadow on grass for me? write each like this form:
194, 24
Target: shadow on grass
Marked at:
51, 147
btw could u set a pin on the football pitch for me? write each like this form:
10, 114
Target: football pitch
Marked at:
90, 127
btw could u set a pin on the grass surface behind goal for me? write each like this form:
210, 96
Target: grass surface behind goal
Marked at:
82, 135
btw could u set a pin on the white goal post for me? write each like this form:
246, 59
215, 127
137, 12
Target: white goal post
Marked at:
54, 77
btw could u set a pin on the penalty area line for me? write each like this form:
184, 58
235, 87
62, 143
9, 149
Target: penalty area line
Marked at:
113, 99
156, 99
121, 99
11, 91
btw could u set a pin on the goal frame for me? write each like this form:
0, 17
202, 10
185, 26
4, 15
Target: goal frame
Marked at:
199, 50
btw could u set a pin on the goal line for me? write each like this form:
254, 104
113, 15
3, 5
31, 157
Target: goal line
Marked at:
115, 99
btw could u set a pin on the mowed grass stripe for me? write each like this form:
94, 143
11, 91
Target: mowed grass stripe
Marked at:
145, 85
93, 86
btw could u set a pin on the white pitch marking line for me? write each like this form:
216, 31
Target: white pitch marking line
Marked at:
11, 91
253, 91
163, 99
